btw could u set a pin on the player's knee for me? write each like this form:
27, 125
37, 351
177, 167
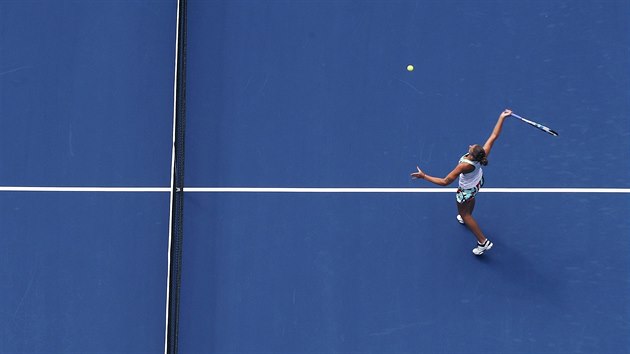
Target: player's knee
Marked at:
464, 210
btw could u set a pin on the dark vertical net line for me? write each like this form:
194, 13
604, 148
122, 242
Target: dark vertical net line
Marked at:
177, 226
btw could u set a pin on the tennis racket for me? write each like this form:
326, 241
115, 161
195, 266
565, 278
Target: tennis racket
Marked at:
536, 125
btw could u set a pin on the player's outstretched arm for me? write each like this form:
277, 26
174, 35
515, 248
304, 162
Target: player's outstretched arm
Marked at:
460, 168
496, 131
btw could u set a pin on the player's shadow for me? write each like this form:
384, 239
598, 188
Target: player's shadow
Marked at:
521, 275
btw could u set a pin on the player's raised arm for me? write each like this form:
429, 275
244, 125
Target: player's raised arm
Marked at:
496, 131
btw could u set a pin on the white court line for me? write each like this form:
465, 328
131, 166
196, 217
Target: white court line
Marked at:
87, 189
305, 190
400, 190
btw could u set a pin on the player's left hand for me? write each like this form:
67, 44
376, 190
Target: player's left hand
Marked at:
418, 174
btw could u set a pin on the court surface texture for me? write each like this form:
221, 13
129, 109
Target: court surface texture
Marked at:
303, 231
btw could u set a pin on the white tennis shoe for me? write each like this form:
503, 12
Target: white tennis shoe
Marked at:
460, 220
480, 249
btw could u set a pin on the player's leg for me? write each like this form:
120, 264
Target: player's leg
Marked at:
465, 210
459, 216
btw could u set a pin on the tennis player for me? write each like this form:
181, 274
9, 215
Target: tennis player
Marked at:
470, 181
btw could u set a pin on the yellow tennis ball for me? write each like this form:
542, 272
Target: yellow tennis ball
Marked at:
409, 67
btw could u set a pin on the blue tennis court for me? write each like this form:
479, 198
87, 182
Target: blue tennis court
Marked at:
302, 229
86, 100
396, 275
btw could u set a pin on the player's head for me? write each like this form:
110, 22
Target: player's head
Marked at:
478, 153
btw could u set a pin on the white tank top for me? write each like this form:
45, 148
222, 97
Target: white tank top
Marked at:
470, 180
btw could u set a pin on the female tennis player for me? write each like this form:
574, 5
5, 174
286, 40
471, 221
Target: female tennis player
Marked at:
470, 181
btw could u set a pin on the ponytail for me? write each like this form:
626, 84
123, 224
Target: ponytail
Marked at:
479, 155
